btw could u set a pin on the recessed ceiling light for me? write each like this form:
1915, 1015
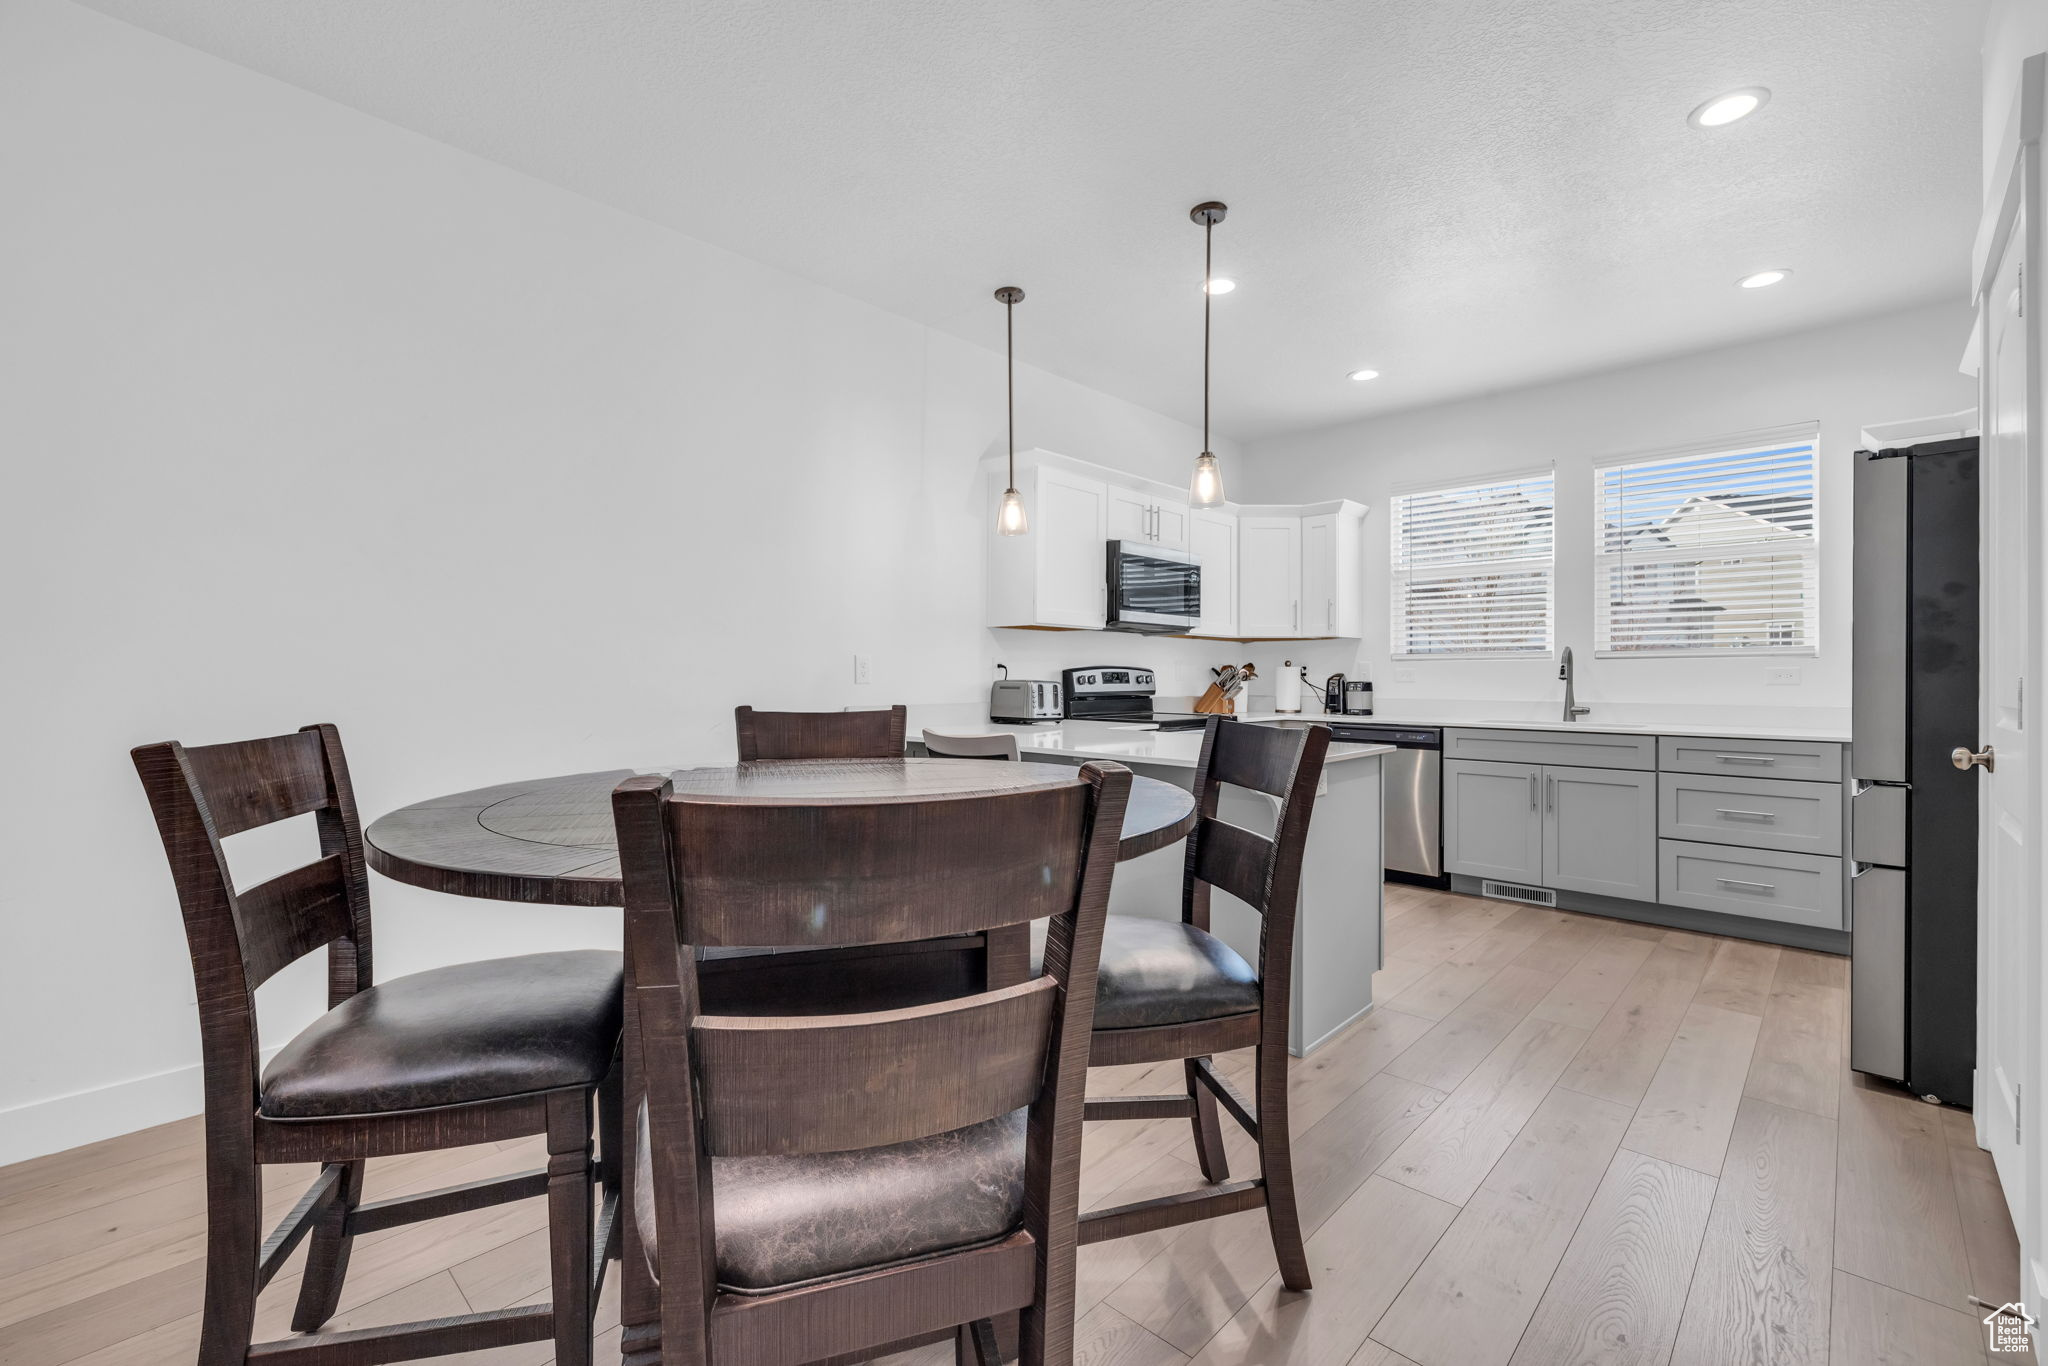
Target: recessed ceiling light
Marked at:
1219, 285
1762, 279
1362, 375
1726, 109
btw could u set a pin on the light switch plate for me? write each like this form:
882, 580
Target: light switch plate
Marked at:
860, 669
1782, 677
1404, 675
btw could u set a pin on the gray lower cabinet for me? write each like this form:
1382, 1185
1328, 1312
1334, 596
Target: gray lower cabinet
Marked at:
1575, 829
1600, 832
1493, 820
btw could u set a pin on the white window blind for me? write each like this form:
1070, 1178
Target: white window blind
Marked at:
1712, 551
1472, 568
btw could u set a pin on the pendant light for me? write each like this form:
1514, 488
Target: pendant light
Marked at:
1010, 519
1206, 488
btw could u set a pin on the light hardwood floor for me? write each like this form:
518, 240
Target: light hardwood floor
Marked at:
1557, 1140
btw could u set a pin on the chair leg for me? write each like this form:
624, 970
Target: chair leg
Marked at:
234, 1241
569, 1223
974, 1344
1209, 1152
327, 1254
1276, 1166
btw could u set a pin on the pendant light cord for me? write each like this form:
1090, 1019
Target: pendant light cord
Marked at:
1010, 371
1208, 239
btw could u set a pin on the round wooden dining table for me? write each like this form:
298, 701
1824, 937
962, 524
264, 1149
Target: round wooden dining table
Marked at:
551, 841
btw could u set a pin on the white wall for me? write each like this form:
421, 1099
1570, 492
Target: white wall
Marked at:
1893, 367
307, 418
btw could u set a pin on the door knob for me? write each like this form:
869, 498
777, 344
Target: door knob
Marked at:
1962, 758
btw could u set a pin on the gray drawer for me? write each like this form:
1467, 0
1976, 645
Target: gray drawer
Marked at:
1765, 884
1811, 760
1757, 813
1583, 749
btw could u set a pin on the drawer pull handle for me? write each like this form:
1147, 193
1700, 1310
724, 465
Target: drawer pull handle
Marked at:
1737, 815
1747, 886
1747, 758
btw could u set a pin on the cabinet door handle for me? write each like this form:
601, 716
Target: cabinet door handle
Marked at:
1735, 815
1296, 610
1747, 886
1330, 616
1532, 792
1746, 758
1549, 793
1155, 524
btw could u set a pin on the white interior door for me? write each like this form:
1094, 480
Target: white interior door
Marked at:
2010, 1042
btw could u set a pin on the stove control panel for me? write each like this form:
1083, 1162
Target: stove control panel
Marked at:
1108, 678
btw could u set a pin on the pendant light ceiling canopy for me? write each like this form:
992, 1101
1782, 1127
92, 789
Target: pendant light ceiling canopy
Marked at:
1010, 519
1205, 489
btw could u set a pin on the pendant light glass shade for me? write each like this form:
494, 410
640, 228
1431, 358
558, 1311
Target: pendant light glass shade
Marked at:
1205, 489
1010, 518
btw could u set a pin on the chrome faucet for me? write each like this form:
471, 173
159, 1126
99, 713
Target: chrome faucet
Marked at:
1572, 710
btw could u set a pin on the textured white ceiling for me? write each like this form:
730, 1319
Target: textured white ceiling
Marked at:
1463, 194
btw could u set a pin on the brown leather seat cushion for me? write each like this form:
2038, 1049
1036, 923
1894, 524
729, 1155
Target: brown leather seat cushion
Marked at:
473, 1031
783, 1221
1158, 972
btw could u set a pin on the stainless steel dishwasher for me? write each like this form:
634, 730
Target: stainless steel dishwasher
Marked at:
1411, 795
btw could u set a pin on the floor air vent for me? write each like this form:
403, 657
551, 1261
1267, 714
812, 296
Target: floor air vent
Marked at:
1508, 891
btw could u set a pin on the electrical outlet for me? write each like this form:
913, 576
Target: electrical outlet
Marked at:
1404, 675
1781, 677
861, 669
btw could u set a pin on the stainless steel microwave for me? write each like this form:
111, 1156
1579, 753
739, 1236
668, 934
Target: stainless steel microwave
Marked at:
1152, 589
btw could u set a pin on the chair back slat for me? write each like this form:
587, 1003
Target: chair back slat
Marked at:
1235, 859
814, 1084
282, 920
1262, 758
819, 734
764, 875
249, 783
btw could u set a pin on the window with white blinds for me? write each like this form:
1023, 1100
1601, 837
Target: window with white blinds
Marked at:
1712, 551
1472, 568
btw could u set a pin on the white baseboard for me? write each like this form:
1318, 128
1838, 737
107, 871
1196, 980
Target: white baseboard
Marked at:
47, 1126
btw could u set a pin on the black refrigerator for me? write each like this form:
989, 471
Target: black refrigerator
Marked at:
1912, 813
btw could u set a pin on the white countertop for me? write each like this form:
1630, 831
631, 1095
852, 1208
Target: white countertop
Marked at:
1125, 742
1730, 729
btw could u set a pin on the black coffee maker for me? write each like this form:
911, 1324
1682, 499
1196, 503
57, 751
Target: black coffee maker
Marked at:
1333, 695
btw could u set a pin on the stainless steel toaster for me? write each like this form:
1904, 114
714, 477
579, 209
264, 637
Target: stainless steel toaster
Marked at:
1024, 700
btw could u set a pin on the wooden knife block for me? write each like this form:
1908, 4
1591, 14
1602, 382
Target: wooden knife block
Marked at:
1212, 702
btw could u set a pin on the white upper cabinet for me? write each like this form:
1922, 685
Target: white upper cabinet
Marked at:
1056, 574
1269, 576
1136, 515
1170, 525
1333, 572
1270, 573
1212, 537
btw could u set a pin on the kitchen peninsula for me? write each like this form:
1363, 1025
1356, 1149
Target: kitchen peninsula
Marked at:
1337, 946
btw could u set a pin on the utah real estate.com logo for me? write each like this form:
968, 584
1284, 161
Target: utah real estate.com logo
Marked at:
2006, 1328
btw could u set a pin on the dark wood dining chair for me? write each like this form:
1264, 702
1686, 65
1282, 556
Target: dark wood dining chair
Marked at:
820, 734
1170, 989
827, 1187
475, 1053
